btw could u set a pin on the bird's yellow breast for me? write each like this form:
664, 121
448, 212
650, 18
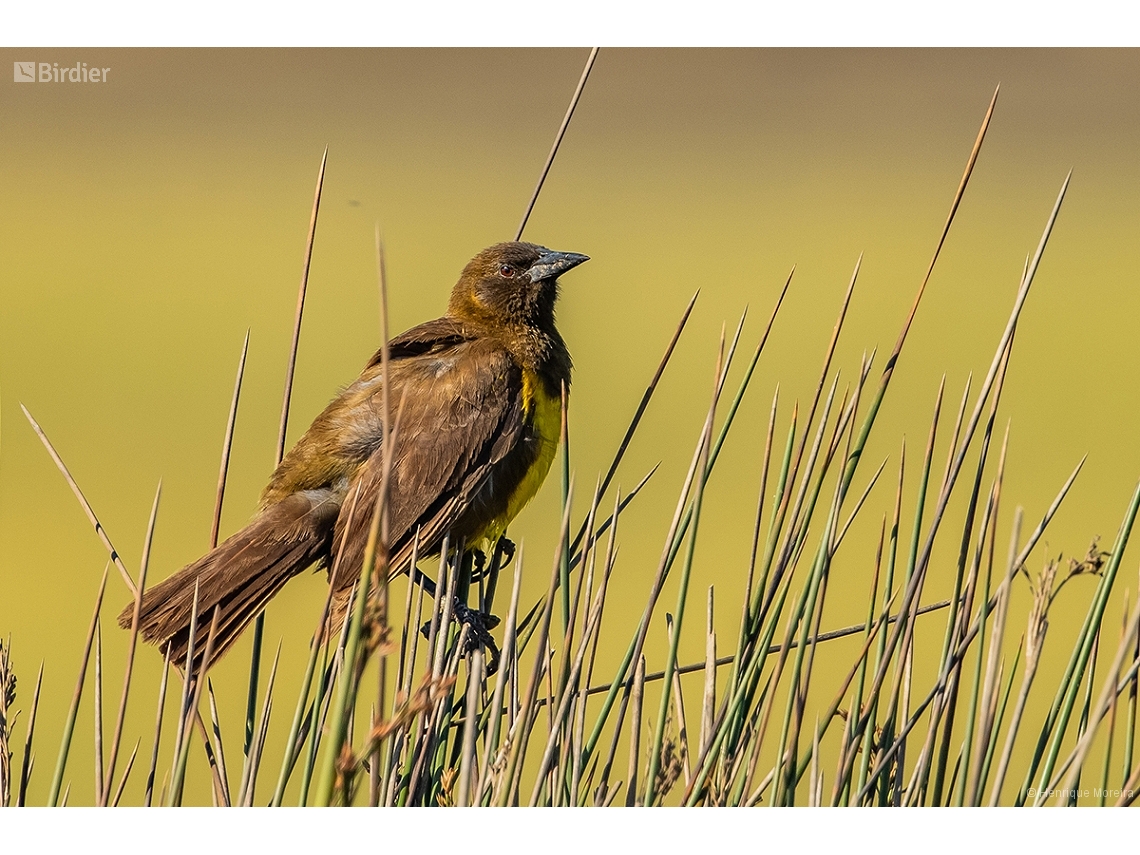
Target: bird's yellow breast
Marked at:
544, 413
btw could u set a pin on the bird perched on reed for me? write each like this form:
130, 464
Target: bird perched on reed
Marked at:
479, 398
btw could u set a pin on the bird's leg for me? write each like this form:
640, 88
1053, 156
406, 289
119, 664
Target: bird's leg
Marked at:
479, 623
479, 635
478, 560
479, 626
503, 553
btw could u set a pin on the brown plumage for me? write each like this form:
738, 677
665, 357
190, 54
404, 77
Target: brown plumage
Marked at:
479, 424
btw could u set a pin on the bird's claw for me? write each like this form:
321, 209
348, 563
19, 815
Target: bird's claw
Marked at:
478, 625
502, 555
507, 550
478, 635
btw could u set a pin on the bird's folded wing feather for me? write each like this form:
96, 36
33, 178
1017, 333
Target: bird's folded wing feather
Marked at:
432, 336
458, 412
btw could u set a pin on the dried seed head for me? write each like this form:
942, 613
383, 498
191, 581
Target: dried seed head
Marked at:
668, 768
7, 720
1038, 623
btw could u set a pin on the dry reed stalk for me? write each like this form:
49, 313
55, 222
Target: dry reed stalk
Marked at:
131, 647
94, 520
73, 710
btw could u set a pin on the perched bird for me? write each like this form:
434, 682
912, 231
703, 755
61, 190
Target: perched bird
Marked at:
479, 394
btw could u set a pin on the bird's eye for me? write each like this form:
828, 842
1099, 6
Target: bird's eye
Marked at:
506, 271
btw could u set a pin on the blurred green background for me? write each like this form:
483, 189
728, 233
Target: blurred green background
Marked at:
147, 222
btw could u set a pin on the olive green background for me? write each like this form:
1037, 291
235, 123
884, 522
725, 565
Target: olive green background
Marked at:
147, 222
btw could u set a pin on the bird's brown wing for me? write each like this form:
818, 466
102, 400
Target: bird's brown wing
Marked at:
351, 428
460, 414
429, 337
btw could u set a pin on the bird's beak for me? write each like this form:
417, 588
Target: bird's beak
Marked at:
550, 264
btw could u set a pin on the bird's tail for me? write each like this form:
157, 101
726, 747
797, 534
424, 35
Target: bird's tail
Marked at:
237, 578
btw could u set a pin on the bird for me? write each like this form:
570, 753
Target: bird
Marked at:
475, 397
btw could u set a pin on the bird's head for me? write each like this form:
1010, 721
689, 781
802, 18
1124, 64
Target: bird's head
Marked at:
511, 285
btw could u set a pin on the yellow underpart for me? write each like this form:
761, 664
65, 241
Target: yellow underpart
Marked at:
544, 412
